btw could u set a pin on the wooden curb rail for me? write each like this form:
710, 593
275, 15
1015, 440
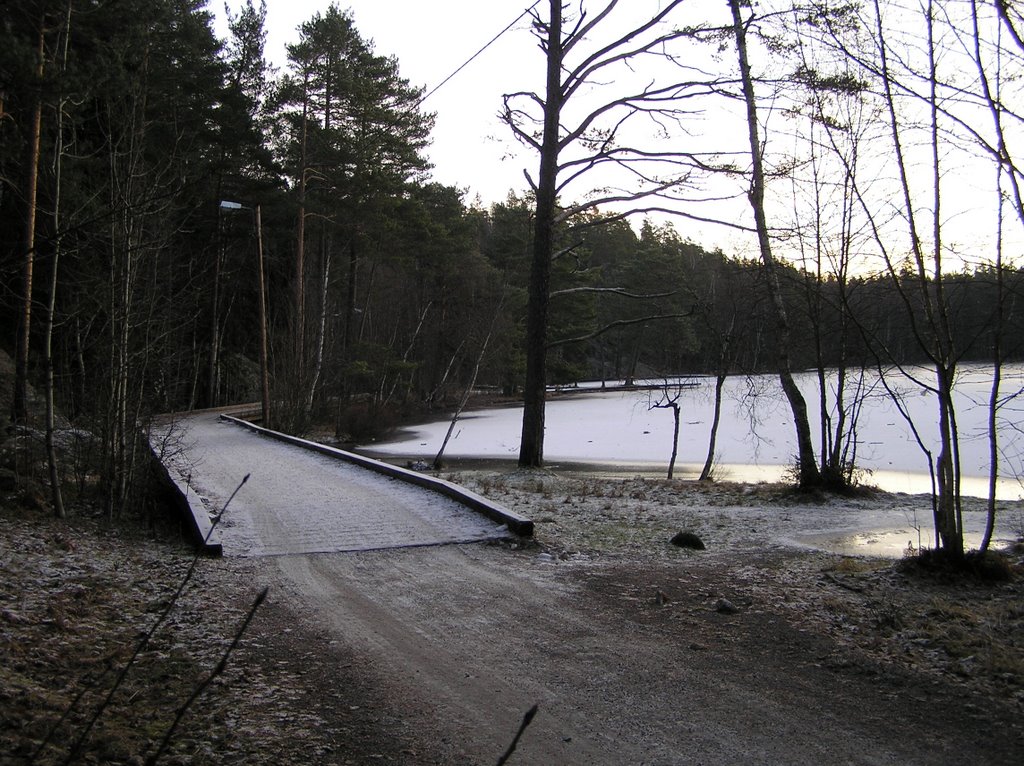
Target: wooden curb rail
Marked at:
519, 525
192, 509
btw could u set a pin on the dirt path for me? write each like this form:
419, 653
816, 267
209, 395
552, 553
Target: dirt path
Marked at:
425, 656
463, 639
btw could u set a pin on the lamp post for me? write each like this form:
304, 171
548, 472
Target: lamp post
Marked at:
264, 372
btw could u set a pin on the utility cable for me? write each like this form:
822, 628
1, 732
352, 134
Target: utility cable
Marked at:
471, 58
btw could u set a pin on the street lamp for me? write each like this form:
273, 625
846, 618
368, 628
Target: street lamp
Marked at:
264, 373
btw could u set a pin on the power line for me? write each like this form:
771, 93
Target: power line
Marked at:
470, 59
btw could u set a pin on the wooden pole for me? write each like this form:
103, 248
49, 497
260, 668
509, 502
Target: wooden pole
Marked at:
264, 372
19, 406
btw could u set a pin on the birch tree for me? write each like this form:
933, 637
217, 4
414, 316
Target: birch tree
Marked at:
807, 466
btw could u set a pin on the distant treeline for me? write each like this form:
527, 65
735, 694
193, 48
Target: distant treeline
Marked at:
716, 315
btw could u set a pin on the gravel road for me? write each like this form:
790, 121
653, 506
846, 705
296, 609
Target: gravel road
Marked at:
465, 639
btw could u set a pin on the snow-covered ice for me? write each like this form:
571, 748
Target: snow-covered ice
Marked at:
756, 438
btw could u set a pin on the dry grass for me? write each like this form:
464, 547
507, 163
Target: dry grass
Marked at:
76, 599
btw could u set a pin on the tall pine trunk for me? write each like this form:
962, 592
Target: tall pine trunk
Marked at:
19, 405
299, 317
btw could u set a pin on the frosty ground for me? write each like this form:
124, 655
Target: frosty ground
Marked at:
432, 655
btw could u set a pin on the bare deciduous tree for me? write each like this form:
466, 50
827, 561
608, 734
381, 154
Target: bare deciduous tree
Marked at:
809, 475
602, 138
667, 397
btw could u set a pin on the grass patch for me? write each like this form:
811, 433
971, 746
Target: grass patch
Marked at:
990, 566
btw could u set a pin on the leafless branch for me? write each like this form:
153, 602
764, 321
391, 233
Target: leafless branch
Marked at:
566, 251
613, 290
218, 670
613, 325
143, 643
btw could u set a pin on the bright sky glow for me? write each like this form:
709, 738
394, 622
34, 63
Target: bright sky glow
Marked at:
474, 151
471, 149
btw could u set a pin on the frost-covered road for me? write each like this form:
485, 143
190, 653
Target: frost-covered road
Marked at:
297, 501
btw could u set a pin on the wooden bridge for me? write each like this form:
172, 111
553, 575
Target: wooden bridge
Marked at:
305, 497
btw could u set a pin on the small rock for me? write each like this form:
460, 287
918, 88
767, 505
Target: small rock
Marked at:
660, 598
688, 540
725, 606
545, 557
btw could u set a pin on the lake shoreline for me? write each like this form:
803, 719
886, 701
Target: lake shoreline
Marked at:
617, 430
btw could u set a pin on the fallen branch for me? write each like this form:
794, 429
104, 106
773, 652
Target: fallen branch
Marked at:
527, 720
855, 588
469, 389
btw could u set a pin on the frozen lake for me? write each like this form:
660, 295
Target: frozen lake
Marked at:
756, 439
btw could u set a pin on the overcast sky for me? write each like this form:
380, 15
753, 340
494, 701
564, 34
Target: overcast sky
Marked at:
471, 148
